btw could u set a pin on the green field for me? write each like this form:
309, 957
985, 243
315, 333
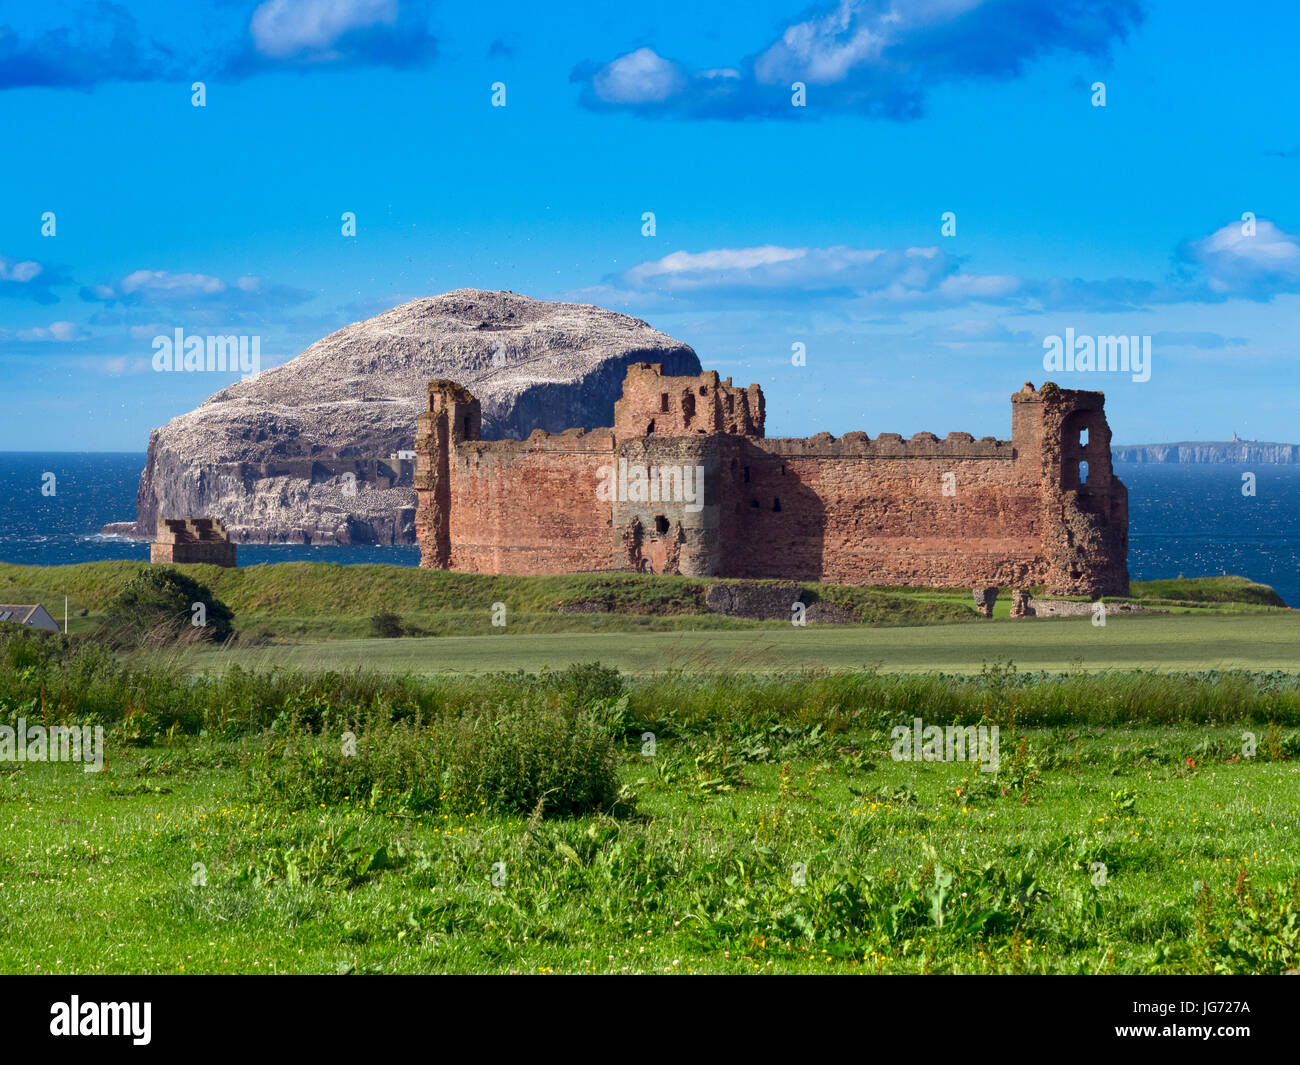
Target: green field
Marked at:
1176, 642
502, 812
769, 830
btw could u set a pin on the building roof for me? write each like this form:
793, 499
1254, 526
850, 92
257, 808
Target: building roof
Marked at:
18, 613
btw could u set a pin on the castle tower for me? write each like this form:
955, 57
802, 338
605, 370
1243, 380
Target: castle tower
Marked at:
1085, 507
452, 416
655, 405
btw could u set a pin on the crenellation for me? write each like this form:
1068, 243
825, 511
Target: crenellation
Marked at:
184, 541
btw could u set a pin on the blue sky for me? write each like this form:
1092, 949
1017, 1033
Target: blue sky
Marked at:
774, 224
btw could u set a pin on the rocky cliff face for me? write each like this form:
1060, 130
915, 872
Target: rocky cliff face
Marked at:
1210, 451
301, 453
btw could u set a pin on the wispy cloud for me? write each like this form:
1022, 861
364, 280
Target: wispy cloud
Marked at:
868, 57
55, 332
885, 278
27, 279
1227, 264
161, 288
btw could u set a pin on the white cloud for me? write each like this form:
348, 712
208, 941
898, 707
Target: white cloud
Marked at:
710, 266
877, 57
1255, 265
55, 332
157, 282
199, 294
890, 275
824, 49
285, 28
18, 271
637, 78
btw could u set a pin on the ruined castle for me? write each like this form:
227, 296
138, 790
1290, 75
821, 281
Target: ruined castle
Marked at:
685, 482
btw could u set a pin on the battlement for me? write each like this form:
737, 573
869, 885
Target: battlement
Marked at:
655, 405
192, 540
888, 446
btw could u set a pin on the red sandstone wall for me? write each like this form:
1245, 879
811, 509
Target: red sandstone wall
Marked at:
861, 519
214, 554
530, 507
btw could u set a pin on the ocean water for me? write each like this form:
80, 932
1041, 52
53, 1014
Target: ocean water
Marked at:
1184, 520
92, 489
1192, 520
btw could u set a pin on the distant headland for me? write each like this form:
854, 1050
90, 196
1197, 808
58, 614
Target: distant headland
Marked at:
1189, 451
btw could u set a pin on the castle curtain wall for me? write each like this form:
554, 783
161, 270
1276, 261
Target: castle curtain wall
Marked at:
530, 506
858, 512
956, 512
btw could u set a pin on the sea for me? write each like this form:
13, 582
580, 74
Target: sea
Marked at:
1185, 520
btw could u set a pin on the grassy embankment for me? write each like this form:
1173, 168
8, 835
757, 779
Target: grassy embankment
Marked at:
315, 600
316, 616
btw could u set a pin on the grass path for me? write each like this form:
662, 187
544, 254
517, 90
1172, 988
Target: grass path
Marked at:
1176, 642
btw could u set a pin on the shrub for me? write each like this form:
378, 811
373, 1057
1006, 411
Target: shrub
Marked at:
508, 759
388, 625
384, 763
1242, 930
520, 758
584, 684
158, 604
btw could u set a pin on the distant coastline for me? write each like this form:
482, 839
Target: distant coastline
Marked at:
1209, 451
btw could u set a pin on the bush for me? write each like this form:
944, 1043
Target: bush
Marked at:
510, 759
520, 758
584, 684
388, 625
158, 604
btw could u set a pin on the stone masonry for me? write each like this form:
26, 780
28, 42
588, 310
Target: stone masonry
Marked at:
185, 540
685, 482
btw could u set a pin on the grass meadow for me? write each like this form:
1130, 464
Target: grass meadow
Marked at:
1188, 641
585, 822
717, 797
907, 868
